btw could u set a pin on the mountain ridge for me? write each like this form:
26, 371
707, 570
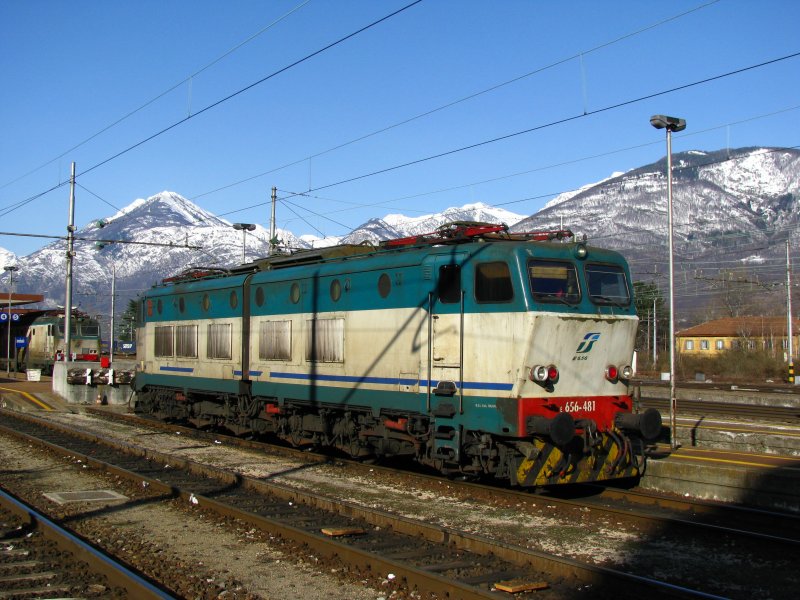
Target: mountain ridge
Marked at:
740, 203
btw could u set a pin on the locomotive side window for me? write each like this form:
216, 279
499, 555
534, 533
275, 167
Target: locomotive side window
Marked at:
259, 296
607, 285
275, 340
449, 288
325, 340
163, 341
219, 340
186, 341
294, 293
493, 282
554, 281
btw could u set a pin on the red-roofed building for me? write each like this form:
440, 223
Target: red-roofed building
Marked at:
749, 333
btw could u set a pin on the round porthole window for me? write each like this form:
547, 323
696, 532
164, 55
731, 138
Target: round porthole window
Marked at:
206, 303
294, 294
234, 300
181, 304
260, 296
384, 285
336, 290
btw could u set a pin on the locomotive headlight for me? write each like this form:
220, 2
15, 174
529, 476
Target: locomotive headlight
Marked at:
539, 374
627, 372
581, 251
612, 373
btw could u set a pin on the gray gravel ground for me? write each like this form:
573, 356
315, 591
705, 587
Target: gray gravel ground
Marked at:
577, 533
208, 558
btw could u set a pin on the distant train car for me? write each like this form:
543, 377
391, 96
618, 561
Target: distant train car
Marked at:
472, 350
46, 340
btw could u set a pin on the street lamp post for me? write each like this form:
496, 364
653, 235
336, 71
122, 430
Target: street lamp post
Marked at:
670, 124
244, 228
10, 269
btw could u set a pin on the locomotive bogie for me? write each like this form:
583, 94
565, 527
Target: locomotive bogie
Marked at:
469, 358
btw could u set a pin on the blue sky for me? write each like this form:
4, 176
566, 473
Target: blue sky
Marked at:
71, 69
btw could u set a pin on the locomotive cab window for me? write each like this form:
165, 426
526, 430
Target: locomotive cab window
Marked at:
607, 285
90, 330
553, 281
73, 329
493, 282
449, 288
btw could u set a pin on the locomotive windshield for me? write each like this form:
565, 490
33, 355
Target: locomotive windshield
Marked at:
554, 281
90, 330
607, 285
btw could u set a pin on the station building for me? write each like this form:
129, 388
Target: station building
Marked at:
732, 333
11, 312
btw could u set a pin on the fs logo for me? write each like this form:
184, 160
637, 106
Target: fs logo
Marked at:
588, 341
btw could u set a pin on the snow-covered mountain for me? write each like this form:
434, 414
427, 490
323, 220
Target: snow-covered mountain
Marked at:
727, 201
737, 205
7, 258
101, 248
395, 226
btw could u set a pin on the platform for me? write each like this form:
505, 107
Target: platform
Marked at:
767, 481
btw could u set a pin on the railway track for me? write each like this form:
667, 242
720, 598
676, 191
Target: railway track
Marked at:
653, 511
429, 558
726, 409
40, 559
767, 403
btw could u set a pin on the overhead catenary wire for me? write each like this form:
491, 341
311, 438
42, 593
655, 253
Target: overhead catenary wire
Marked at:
384, 129
461, 100
548, 124
251, 86
186, 79
103, 241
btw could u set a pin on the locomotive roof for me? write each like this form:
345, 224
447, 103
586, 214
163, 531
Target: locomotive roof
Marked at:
412, 248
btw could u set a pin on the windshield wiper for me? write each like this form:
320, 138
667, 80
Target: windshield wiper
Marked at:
552, 296
610, 300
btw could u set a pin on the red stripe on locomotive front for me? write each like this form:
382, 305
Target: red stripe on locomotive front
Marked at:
600, 409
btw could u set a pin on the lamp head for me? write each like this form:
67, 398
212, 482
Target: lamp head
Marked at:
665, 122
11, 268
244, 226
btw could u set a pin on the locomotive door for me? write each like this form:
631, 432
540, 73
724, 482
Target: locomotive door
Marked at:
446, 340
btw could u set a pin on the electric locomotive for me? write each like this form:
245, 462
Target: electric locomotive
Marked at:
46, 343
472, 350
